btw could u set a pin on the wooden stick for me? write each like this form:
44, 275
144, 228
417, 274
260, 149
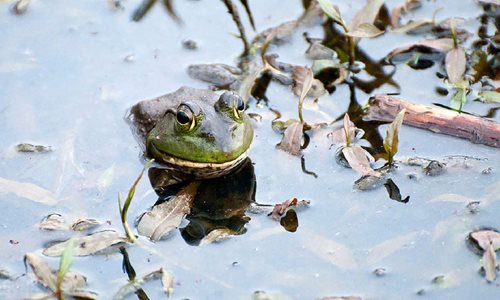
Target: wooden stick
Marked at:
478, 130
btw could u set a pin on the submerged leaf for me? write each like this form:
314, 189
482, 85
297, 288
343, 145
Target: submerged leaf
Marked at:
365, 30
455, 65
97, 243
391, 140
292, 138
27, 190
388, 247
329, 250
217, 235
168, 215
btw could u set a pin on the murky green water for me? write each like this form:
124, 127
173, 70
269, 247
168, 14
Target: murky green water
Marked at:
65, 82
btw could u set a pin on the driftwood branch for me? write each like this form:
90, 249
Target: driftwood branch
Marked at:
384, 108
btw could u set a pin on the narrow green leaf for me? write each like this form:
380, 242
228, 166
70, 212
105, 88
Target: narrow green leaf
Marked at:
332, 11
391, 140
65, 262
365, 30
458, 99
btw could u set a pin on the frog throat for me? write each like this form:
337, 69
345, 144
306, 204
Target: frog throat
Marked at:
183, 163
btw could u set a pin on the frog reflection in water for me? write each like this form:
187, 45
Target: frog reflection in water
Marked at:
219, 203
194, 131
198, 135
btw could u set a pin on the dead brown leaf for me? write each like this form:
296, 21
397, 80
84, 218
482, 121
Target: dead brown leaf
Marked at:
367, 14
280, 208
455, 65
96, 243
167, 216
292, 138
359, 160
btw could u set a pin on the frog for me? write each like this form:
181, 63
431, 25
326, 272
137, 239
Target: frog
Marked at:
194, 131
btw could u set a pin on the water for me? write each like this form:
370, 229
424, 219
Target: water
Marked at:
65, 83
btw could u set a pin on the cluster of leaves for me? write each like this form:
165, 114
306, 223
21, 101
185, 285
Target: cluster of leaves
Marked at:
351, 154
464, 68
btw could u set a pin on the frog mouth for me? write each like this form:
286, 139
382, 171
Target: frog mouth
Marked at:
182, 164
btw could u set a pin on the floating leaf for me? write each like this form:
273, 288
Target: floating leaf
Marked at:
486, 237
455, 65
414, 25
391, 140
27, 190
332, 11
25, 147
280, 208
167, 280
359, 160
97, 243
168, 215
84, 224
53, 222
384, 249
490, 263
365, 30
292, 138
489, 96
440, 45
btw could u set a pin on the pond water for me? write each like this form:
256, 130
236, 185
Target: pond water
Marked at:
69, 70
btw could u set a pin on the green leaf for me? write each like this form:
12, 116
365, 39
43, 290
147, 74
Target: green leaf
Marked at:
332, 11
458, 99
365, 30
391, 140
455, 65
65, 262
489, 96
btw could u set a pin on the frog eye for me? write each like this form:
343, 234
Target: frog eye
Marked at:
185, 117
231, 103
